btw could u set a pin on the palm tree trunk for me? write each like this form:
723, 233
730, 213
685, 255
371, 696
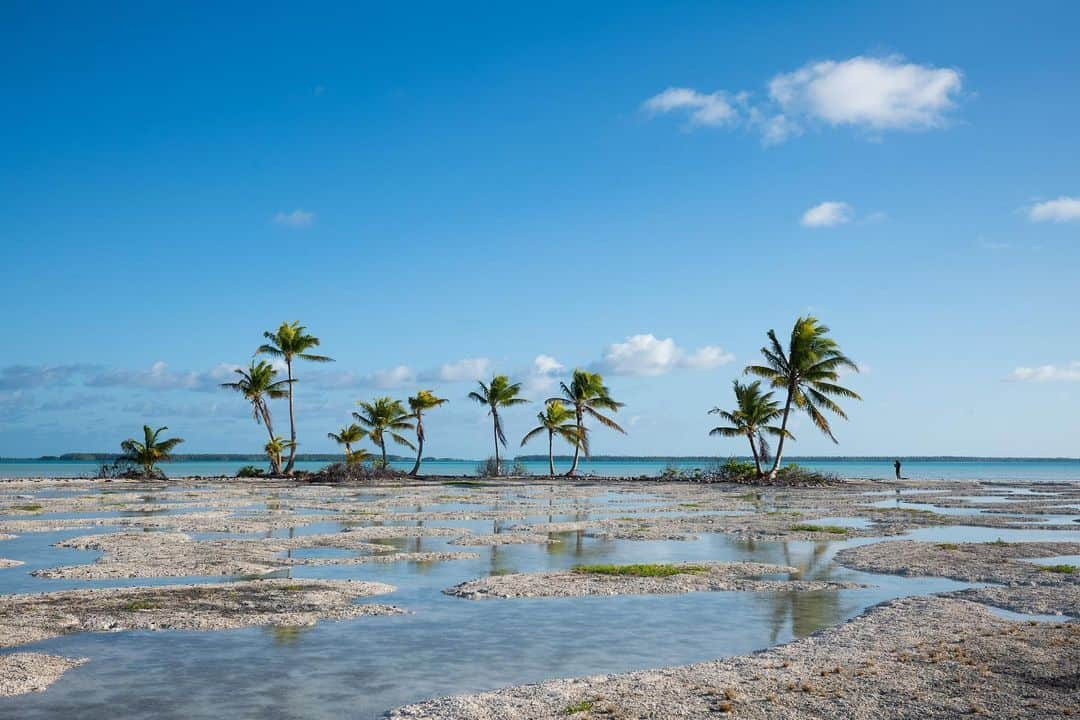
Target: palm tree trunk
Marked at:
577, 446
275, 462
419, 444
292, 421
753, 450
783, 433
495, 432
382, 446
551, 454
348, 451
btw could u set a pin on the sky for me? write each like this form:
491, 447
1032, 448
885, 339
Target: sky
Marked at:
445, 192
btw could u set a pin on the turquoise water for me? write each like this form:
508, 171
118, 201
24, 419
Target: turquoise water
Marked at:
1034, 469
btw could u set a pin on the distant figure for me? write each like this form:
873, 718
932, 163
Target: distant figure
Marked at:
897, 466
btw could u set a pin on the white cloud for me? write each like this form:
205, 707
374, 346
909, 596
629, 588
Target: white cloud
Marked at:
648, 355
710, 109
879, 93
1045, 373
296, 219
394, 377
160, 377
542, 375
874, 93
1064, 209
462, 370
828, 214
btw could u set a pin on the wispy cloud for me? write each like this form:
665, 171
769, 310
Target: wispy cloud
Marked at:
460, 371
296, 219
828, 214
873, 94
1063, 209
160, 377
709, 109
23, 377
1069, 372
648, 355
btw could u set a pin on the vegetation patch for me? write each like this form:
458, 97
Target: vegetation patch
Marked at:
640, 570
32, 507
806, 527
1062, 568
947, 546
579, 707
136, 605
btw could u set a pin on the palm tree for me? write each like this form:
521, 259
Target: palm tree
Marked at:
751, 420
276, 448
384, 416
419, 403
359, 455
587, 395
808, 371
256, 384
289, 342
150, 451
557, 419
347, 436
499, 393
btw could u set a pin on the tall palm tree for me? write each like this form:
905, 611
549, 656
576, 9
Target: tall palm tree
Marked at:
347, 436
257, 384
150, 451
276, 447
587, 395
385, 416
751, 420
290, 342
557, 419
419, 403
808, 370
499, 393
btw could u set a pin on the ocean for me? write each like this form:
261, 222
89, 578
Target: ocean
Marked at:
1023, 469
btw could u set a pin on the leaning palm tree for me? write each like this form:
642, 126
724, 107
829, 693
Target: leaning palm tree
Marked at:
751, 420
257, 384
587, 395
499, 393
289, 342
385, 416
347, 436
419, 403
808, 370
557, 419
150, 451
276, 447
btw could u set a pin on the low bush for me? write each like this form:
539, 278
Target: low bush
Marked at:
351, 472
250, 471
490, 469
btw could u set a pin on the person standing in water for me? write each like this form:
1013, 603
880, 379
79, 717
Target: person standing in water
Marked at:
897, 466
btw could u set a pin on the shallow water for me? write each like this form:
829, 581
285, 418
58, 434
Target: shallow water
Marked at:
363, 667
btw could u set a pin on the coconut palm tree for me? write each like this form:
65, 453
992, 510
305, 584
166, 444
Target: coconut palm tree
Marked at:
276, 448
150, 451
808, 370
257, 384
385, 416
499, 393
347, 436
419, 403
557, 419
751, 420
290, 342
587, 395
359, 455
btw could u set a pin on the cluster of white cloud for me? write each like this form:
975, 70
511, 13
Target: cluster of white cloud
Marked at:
1046, 373
649, 356
159, 377
871, 93
296, 219
828, 214
1063, 209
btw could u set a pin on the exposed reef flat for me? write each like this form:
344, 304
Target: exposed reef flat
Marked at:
22, 673
640, 580
920, 658
33, 617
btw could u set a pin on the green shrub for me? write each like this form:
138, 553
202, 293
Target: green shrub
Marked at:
250, 471
806, 527
1063, 569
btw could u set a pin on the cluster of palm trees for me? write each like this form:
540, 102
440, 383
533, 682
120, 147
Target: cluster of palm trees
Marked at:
807, 371
384, 418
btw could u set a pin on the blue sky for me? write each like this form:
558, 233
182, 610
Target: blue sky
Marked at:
439, 192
